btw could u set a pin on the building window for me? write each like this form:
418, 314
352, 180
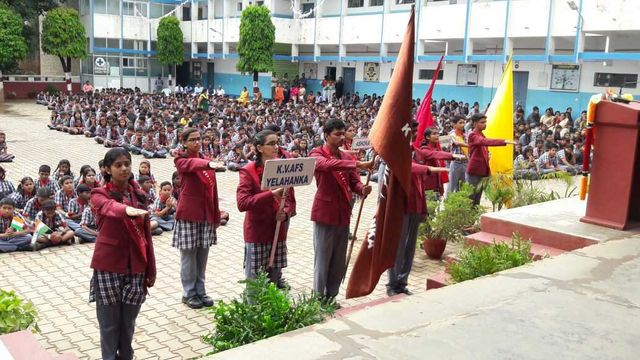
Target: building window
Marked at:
100, 7
239, 6
376, 2
467, 75
401, 2
627, 81
202, 12
113, 7
355, 3
259, 3
186, 13
308, 8
427, 74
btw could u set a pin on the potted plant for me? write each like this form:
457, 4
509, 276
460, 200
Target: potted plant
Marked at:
448, 221
16, 314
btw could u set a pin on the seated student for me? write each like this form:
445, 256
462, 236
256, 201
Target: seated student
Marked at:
87, 177
34, 205
146, 184
114, 138
63, 168
12, 238
175, 182
43, 179
567, 159
524, 166
236, 159
88, 231
76, 127
100, 175
23, 193
164, 208
4, 155
65, 194
6, 186
54, 119
90, 126
77, 205
548, 162
150, 148
59, 233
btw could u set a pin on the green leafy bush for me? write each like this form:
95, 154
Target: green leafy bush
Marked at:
265, 312
476, 261
16, 314
51, 90
448, 222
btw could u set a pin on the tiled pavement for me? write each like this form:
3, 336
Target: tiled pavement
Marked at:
57, 279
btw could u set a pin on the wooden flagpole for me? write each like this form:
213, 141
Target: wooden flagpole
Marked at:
275, 236
355, 230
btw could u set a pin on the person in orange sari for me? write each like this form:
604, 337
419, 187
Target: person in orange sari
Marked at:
279, 94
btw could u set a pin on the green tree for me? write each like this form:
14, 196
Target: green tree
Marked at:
29, 10
13, 47
257, 36
63, 36
170, 43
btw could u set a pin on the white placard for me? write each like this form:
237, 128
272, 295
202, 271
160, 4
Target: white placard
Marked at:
361, 143
288, 172
100, 66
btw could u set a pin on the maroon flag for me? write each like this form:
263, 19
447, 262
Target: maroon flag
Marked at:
424, 116
390, 137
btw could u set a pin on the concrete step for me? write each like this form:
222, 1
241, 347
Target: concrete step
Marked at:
438, 281
540, 232
351, 309
537, 250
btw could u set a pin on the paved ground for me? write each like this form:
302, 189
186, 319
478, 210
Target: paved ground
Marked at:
57, 279
584, 304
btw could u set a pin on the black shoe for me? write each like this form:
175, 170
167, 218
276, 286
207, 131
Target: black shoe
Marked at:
405, 291
193, 302
282, 284
157, 231
206, 300
392, 292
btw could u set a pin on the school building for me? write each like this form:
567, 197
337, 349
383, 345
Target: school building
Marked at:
564, 51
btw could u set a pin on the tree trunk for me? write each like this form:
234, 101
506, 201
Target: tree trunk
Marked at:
1, 88
66, 67
255, 82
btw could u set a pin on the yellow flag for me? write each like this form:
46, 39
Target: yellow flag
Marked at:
500, 124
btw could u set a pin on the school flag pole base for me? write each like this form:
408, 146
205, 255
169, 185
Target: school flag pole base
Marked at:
274, 245
355, 230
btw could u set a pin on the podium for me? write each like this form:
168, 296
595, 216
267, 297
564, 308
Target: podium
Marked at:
614, 189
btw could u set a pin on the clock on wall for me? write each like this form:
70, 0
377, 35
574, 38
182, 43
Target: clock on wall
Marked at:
565, 77
371, 71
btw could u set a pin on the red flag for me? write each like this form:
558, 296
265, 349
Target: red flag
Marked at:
424, 116
390, 137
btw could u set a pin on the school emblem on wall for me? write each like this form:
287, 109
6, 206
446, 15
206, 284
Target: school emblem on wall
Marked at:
371, 71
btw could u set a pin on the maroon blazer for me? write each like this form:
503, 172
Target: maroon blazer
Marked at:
428, 155
416, 203
115, 249
479, 154
198, 201
261, 207
336, 180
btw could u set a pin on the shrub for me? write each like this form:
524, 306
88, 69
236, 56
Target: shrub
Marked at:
448, 222
265, 312
476, 261
15, 314
51, 90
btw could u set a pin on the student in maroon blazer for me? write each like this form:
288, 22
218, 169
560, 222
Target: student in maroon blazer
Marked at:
123, 259
197, 217
478, 166
430, 154
336, 179
262, 209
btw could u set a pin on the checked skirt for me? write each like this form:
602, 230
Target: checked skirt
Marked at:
191, 235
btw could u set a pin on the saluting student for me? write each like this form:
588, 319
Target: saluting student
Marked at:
262, 209
197, 217
123, 260
337, 180
478, 167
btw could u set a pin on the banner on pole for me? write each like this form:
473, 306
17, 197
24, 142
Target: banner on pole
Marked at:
288, 172
361, 143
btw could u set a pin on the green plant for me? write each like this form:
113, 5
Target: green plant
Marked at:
170, 44
263, 311
51, 89
13, 46
527, 192
447, 221
16, 314
476, 261
498, 189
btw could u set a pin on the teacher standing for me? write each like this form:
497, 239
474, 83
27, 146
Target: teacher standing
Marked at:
197, 217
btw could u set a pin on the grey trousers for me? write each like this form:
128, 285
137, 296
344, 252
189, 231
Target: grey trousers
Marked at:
85, 235
456, 175
15, 243
193, 264
399, 274
475, 182
117, 324
330, 247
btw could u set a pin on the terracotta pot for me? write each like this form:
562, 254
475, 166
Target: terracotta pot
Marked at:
434, 248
